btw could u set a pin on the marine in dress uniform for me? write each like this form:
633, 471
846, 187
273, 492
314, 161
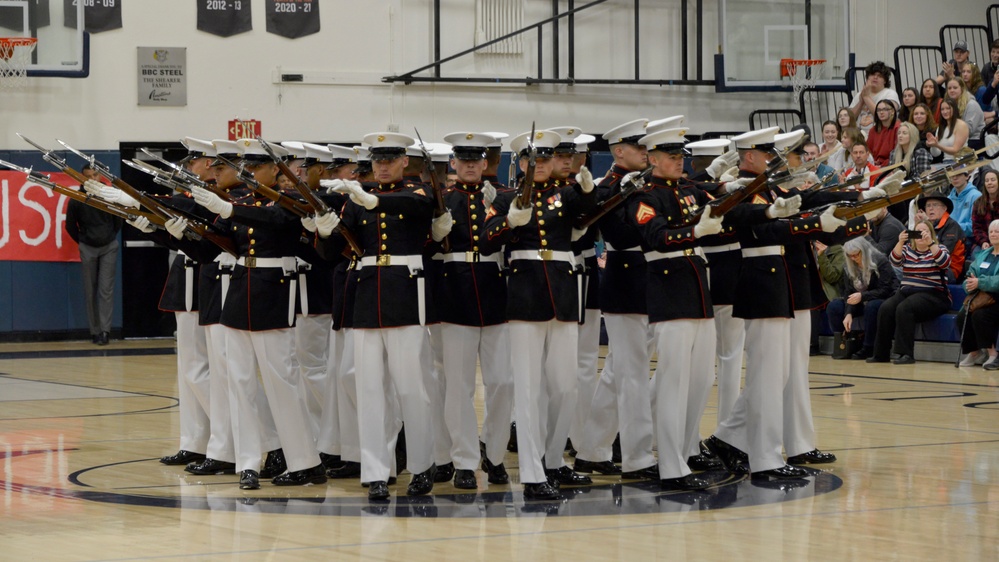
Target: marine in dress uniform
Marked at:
260, 309
542, 313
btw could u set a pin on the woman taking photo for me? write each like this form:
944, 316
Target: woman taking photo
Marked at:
909, 100
985, 209
952, 132
980, 330
929, 94
923, 294
869, 280
882, 137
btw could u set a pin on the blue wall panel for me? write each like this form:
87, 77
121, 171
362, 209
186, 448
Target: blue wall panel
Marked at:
6, 308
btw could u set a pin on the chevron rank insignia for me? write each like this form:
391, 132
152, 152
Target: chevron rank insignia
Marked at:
644, 214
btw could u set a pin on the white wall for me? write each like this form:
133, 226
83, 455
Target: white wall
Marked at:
366, 39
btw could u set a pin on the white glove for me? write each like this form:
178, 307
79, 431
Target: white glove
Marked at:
309, 223
212, 202
141, 223
628, 178
736, 185
115, 195
328, 185
585, 180
326, 224
719, 165
356, 193
730, 174
441, 226
578, 233
872, 193
708, 224
829, 221
176, 227
93, 187
784, 207
892, 184
518, 217
488, 194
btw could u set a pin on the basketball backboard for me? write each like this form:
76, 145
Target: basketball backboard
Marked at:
63, 45
757, 34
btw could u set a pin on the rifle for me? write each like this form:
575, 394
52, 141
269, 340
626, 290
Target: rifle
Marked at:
527, 184
612, 202
772, 174
159, 177
435, 185
294, 207
187, 177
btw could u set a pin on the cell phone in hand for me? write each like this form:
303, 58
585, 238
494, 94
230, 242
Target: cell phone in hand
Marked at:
915, 234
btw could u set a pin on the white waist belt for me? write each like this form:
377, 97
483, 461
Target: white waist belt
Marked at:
763, 251
543, 255
251, 262
413, 262
473, 257
653, 256
718, 249
588, 253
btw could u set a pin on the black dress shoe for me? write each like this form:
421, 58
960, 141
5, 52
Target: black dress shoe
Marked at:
647, 473
249, 480
422, 483
904, 360
540, 491
704, 462
786, 472
496, 472
864, 353
274, 464
565, 476
182, 457
104, 338
876, 359
814, 456
95, 338
734, 460
330, 461
511, 445
211, 466
589, 467
683, 483
444, 473
465, 480
391, 482
314, 475
348, 469
378, 491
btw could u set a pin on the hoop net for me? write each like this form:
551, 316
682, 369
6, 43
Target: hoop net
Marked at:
803, 73
15, 55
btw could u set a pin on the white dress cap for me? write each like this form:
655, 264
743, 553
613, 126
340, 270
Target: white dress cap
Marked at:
387, 146
544, 141
252, 150
668, 140
663, 124
497, 138
341, 154
762, 139
198, 148
317, 153
784, 141
295, 149
627, 132
709, 147
583, 142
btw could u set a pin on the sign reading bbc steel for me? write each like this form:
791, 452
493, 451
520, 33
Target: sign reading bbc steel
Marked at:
162, 76
244, 129
292, 18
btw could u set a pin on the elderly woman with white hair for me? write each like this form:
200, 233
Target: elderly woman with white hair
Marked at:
980, 329
869, 280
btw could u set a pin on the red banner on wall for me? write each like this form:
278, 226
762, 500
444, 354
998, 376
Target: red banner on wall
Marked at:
33, 220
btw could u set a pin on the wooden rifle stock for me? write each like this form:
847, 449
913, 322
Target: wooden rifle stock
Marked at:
615, 200
435, 186
863, 207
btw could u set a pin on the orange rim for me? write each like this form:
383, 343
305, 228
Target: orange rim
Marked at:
787, 64
7, 45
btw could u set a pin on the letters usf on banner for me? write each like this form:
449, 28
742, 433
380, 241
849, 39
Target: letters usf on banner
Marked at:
98, 15
292, 18
33, 220
224, 18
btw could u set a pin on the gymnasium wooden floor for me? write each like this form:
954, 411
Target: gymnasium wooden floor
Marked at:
81, 428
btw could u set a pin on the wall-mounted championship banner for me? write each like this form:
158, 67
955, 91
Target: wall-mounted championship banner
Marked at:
224, 18
12, 17
98, 15
293, 18
162, 75
33, 220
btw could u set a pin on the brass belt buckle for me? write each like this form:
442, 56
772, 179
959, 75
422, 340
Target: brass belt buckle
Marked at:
546, 255
384, 260
472, 257
782, 250
250, 261
688, 252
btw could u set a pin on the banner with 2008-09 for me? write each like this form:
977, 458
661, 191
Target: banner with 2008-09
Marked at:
33, 220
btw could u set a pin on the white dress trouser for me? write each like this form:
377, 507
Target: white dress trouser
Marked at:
312, 348
621, 402
756, 423
799, 429
543, 356
689, 349
731, 338
386, 358
491, 346
437, 392
220, 443
586, 372
271, 351
193, 383
328, 439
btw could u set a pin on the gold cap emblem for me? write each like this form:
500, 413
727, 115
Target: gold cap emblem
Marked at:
469, 136
571, 131
246, 143
381, 138
539, 136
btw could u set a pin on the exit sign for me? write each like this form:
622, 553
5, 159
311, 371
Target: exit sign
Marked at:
244, 129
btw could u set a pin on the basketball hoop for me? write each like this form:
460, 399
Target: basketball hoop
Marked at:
803, 73
15, 54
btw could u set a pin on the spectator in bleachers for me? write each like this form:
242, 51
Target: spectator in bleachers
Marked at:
967, 108
980, 330
991, 80
922, 118
929, 94
822, 170
973, 81
909, 100
952, 132
953, 67
845, 119
923, 294
882, 137
841, 159
883, 232
831, 132
985, 210
913, 155
860, 165
963, 194
877, 87
937, 209
868, 281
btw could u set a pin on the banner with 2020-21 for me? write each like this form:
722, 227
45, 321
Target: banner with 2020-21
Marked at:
33, 220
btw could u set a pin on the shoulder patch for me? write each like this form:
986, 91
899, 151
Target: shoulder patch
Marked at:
644, 214
421, 192
491, 212
760, 200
